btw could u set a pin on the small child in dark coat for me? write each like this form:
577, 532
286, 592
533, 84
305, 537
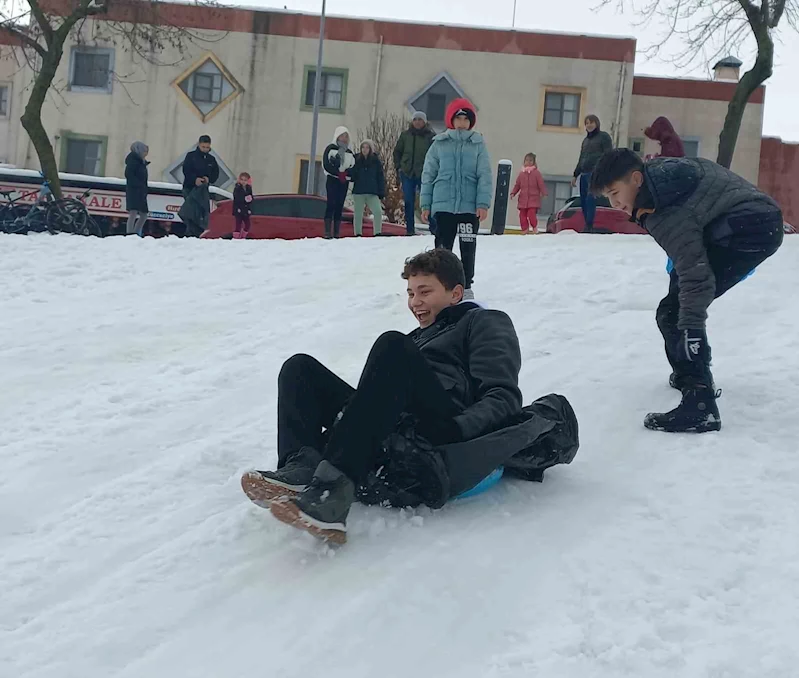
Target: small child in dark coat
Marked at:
242, 206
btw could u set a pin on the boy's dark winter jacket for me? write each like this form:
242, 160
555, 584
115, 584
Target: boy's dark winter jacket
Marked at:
368, 177
198, 164
595, 145
136, 183
475, 354
411, 149
687, 204
240, 205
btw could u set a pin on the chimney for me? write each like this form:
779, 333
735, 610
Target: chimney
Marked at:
728, 70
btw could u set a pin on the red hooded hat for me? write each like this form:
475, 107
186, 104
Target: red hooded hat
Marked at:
670, 143
461, 107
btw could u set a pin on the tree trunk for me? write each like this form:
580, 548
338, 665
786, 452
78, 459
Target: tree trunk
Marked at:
748, 84
32, 117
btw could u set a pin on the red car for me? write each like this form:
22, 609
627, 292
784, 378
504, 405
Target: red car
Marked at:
287, 217
607, 220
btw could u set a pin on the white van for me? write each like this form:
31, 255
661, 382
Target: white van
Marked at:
106, 200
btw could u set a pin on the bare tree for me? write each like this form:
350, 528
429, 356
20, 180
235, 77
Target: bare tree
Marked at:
385, 131
41, 29
712, 29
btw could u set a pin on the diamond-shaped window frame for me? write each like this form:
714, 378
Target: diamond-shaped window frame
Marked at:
204, 59
443, 75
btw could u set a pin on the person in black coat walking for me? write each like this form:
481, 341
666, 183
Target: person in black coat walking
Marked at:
595, 144
200, 169
454, 381
242, 206
136, 189
368, 187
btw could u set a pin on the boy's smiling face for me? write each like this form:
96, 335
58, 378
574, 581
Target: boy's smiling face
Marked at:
622, 193
427, 297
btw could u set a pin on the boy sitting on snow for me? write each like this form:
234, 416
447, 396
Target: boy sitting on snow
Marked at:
716, 228
435, 412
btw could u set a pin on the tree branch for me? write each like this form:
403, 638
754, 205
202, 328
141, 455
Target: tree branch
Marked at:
24, 37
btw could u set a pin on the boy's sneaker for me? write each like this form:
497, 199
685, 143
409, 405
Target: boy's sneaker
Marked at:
265, 487
322, 508
697, 413
468, 295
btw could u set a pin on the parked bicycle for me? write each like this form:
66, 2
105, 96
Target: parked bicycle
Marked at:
62, 215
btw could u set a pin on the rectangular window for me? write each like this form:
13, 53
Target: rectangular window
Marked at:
436, 106
559, 193
91, 69
321, 184
562, 109
206, 88
637, 145
332, 89
691, 147
84, 156
4, 89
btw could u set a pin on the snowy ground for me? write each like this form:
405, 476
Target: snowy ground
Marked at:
138, 381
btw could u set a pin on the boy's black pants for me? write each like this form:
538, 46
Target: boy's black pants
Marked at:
465, 226
749, 246
396, 380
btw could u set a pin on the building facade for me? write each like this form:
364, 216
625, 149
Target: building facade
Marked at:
249, 84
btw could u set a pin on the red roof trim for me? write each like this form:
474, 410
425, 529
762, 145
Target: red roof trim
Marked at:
681, 88
457, 38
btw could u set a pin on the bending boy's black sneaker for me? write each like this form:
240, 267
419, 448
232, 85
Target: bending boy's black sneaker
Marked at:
322, 508
265, 487
697, 413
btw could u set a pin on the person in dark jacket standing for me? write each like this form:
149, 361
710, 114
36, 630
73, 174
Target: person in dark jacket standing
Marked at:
242, 206
409, 156
662, 131
716, 227
136, 188
595, 144
200, 170
456, 376
337, 161
368, 187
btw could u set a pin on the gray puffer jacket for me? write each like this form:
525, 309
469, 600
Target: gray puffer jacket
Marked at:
688, 203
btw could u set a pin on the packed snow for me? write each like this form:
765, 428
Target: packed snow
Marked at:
139, 381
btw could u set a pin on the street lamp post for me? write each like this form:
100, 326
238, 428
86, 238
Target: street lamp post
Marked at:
513, 25
310, 187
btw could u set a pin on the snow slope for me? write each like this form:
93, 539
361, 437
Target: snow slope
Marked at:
138, 381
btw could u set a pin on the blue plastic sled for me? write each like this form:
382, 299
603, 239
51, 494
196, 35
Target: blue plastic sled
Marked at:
486, 483
670, 268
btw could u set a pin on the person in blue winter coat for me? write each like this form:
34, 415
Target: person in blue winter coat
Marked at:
456, 185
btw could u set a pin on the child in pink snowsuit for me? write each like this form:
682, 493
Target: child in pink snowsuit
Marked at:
530, 188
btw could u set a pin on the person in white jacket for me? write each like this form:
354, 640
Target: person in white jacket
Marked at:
337, 161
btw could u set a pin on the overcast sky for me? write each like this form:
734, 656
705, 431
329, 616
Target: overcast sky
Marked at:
574, 16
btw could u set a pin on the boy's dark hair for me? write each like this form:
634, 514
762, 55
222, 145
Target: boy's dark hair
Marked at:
245, 174
441, 263
612, 167
204, 139
530, 156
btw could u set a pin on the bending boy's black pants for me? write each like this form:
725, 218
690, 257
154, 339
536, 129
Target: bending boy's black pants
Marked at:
396, 380
465, 226
751, 243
